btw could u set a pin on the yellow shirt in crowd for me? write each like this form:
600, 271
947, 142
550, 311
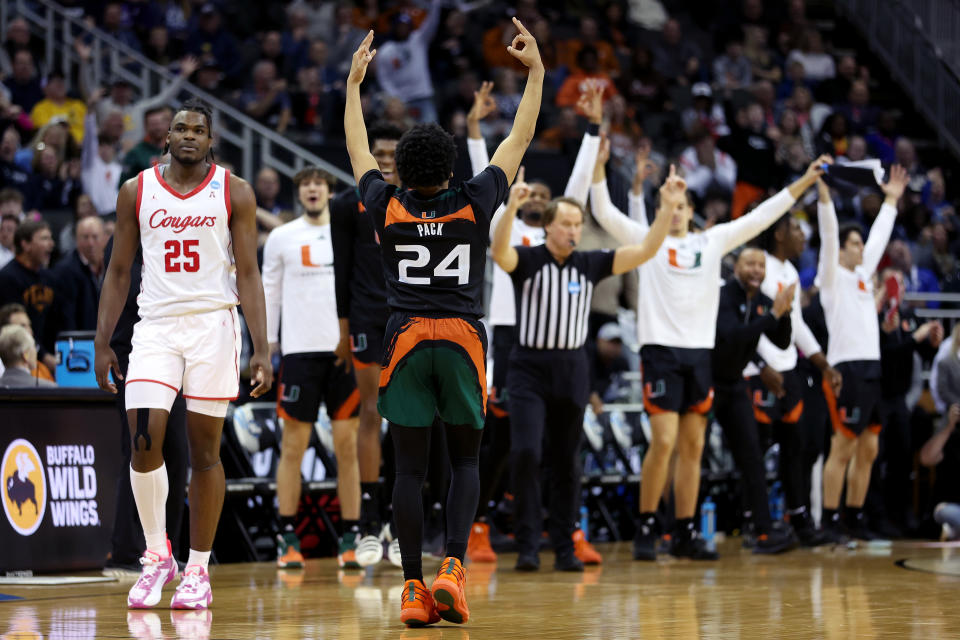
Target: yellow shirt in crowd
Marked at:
73, 110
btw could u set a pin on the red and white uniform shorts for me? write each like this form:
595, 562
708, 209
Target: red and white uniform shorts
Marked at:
199, 353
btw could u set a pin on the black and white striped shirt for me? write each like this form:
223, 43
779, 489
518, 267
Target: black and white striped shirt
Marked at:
552, 299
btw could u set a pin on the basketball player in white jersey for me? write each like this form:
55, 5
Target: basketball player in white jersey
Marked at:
302, 323
196, 224
676, 327
845, 274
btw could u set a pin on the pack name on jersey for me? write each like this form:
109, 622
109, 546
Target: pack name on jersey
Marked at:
430, 229
160, 220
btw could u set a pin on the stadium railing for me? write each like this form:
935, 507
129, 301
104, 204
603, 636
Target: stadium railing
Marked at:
255, 145
900, 34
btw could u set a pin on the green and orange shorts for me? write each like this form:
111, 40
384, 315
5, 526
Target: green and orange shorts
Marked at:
433, 366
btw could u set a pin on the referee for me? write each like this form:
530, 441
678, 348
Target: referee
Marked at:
548, 379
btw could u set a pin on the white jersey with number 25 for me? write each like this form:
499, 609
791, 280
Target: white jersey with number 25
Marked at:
188, 262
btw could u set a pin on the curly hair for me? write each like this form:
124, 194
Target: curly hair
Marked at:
425, 156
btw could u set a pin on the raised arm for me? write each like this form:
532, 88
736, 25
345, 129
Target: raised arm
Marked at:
428, 28
243, 233
636, 206
483, 105
116, 284
883, 226
629, 258
829, 237
591, 104
604, 212
511, 150
502, 250
361, 160
749, 226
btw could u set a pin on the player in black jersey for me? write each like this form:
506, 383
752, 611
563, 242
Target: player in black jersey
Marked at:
362, 309
433, 243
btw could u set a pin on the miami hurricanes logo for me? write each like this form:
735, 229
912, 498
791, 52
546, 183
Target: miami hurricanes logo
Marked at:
24, 487
684, 259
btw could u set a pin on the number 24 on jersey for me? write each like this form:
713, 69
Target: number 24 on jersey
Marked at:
456, 264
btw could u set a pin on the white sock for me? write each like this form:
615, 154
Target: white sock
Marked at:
200, 558
150, 493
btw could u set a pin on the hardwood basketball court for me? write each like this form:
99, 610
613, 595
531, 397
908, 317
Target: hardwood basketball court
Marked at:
907, 591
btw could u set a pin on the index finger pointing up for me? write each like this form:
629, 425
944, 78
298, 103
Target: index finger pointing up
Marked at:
368, 39
520, 26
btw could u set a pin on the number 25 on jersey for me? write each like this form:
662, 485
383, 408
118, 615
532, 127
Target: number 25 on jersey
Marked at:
459, 256
181, 254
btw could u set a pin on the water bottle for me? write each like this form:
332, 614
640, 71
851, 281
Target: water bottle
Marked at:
776, 501
584, 521
708, 523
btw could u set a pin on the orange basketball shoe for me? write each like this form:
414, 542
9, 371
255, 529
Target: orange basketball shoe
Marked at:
584, 550
416, 605
448, 591
478, 546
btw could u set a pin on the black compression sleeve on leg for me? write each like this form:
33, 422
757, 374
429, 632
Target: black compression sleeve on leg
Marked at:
463, 444
143, 430
411, 448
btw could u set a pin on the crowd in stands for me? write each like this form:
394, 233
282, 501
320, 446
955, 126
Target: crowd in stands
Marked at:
742, 96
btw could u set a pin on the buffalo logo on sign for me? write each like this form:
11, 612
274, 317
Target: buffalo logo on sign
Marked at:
24, 487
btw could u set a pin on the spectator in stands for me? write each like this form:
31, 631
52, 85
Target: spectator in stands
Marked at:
320, 17
267, 99
766, 96
11, 203
586, 73
395, 112
318, 57
156, 124
906, 156
589, 36
763, 65
706, 168
121, 97
8, 228
10, 174
57, 103
754, 153
861, 115
313, 109
837, 89
101, 172
27, 281
915, 279
53, 184
833, 138
15, 313
267, 187
212, 43
622, 130
454, 52
935, 196
943, 256
161, 48
270, 47
402, 66
24, 84
642, 85
111, 22
54, 135
732, 70
18, 351
564, 136
208, 77
19, 39
676, 57
82, 208
883, 140
497, 38
344, 40
817, 64
704, 113
79, 275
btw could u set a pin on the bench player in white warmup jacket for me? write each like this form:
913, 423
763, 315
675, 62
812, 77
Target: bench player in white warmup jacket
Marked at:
676, 327
845, 274
193, 220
